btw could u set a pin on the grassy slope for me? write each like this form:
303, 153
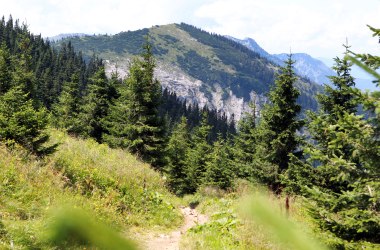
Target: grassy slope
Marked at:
115, 188
177, 42
227, 227
111, 184
254, 218
128, 196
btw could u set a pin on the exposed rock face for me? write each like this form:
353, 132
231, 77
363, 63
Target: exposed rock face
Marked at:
198, 66
175, 80
190, 89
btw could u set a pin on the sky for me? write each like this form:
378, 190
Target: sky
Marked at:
316, 27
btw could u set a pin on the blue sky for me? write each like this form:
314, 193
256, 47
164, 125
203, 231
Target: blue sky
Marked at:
317, 27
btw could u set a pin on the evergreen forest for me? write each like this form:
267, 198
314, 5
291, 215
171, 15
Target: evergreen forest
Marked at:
130, 152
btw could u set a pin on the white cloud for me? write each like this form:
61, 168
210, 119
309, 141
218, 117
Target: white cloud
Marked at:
316, 27
51, 17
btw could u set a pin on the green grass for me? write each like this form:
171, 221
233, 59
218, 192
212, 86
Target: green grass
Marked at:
227, 228
183, 42
111, 185
251, 217
123, 195
234, 222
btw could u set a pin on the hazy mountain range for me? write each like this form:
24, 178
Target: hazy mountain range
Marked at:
316, 69
66, 35
362, 79
305, 65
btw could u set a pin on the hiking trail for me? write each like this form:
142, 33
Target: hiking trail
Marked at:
171, 240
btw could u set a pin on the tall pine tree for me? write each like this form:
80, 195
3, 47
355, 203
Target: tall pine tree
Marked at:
198, 155
245, 143
96, 105
339, 98
134, 123
5, 69
278, 127
219, 168
66, 111
20, 120
343, 160
177, 148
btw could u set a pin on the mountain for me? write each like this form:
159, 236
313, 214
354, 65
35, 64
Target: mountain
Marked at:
310, 67
305, 65
203, 68
254, 46
65, 35
363, 80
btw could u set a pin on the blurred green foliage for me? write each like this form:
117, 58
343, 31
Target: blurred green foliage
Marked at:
72, 227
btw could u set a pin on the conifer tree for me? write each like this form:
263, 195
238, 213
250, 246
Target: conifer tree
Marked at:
198, 155
177, 148
219, 171
23, 75
20, 121
343, 162
116, 122
278, 126
134, 122
96, 105
5, 69
339, 98
245, 143
66, 110
338, 108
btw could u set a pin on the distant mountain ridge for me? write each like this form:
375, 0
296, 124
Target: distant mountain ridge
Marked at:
203, 68
317, 70
305, 65
65, 35
362, 79
310, 67
254, 46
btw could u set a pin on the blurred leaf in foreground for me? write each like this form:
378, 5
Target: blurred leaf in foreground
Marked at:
72, 227
261, 211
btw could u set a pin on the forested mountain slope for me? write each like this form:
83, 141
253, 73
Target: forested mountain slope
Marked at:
203, 68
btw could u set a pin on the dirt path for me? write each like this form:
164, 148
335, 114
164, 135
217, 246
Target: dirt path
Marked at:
171, 241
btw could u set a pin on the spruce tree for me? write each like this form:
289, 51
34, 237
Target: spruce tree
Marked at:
338, 98
116, 122
20, 121
177, 148
338, 103
96, 105
345, 174
219, 170
66, 111
23, 75
134, 123
198, 155
278, 127
245, 143
5, 69
343, 160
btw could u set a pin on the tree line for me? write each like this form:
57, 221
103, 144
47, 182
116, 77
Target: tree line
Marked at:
60, 88
336, 167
